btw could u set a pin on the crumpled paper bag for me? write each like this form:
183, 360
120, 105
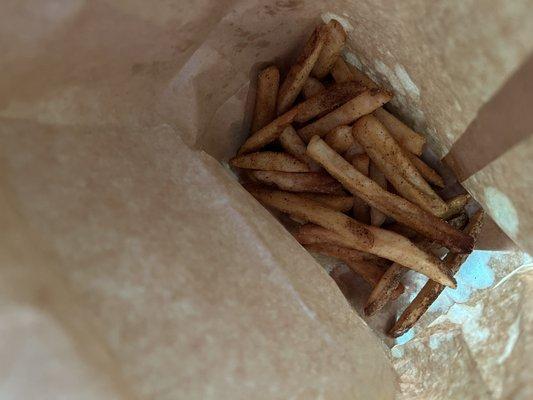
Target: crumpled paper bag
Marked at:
134, 266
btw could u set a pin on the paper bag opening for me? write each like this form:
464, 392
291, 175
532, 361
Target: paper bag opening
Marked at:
113, 117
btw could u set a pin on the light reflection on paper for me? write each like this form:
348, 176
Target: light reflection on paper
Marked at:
475, 274
405, 337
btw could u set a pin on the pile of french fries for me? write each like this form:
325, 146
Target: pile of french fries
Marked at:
323, 151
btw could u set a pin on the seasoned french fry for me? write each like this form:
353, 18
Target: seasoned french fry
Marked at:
425, 170
402, 230
363, 237
334, 42
301, 221
361, 162
360, 208
432, 290
384, 290
354, 150
362, 268
340, 71
366, 270
314, 182
267, 134
457, 222
369, 271
398, 208
342, 253
405, 136
335, 202
294, 145
343, 72
265, 98
377, 218
360, 76
327, 100
269, 161
391, 160
456, 205
363, 104
340, 139
312, 86
299, 72
314, 234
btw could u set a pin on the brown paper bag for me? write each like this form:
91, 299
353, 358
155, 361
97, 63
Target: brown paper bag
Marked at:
134, 266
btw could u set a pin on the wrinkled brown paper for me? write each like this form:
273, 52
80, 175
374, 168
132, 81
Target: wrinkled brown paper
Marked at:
132, 265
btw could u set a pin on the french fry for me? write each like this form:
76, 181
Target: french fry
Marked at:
269, 161
313, 182
340, 139
343, 254
362, 77
428, 173
314, 234
327, 100
363, 104
335, 202
361, 162
334, 42
369, 271
366, 270
344, 72
299, 72
294, 145
298, 220
373, 240
383, 291
354, 150
312, 86
340, 71
402, 230
457, 222
267, 134
456, 205
265, 98
405, 136
360, 208
390, 204
391, 160
432, 290
377, 218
